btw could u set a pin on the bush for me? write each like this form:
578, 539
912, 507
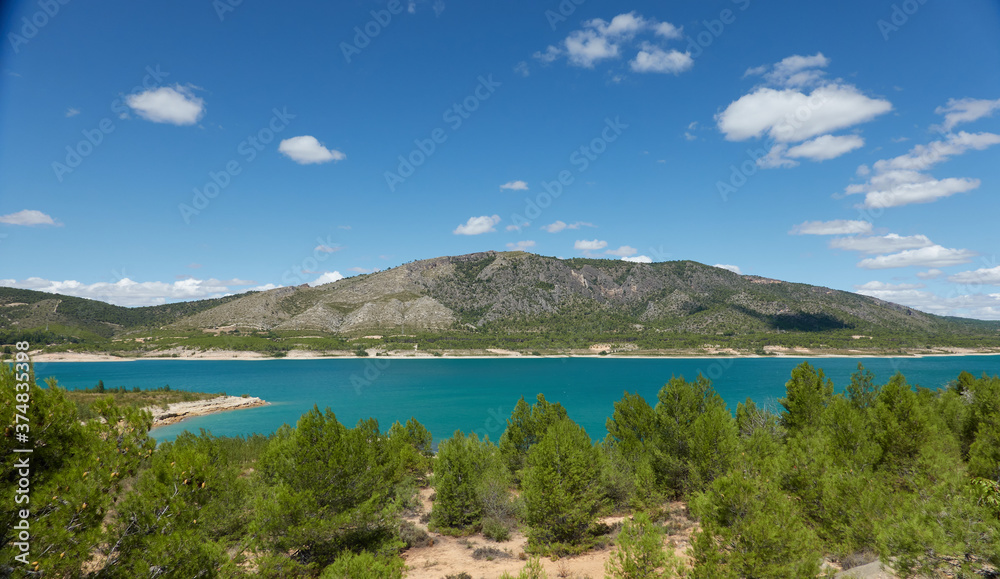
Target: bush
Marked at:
640, 553
490, 553
495, 530
413, 536
365, 566
532, 570
562, 491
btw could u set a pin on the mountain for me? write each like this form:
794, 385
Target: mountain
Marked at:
530, 297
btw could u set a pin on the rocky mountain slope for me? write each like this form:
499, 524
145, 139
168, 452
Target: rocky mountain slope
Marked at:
510, 292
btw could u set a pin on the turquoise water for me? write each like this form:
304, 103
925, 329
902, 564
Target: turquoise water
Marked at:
467, 394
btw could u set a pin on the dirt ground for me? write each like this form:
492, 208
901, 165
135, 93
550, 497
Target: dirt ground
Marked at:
453, 555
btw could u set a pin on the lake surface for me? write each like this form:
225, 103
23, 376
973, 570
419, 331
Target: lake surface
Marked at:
469, 394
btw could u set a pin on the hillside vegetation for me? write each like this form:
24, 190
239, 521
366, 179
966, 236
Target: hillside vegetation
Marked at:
513, 300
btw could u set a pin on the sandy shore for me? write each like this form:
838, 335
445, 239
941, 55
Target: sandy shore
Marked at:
180, 410
496, 354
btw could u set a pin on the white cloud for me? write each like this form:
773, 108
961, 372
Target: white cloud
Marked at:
176, 105
326, 248
585, 47
835, 227
654, 59
592, 245
550, 55
668, 31
363, 269
923, 157
902, 180
522, 69
778, 113
28, 217
327, 277
126, 292
306, 150
882, 286
638, 259
560, 225
933, 256
521, 245
958, 111
930, 274
478, 225
72, 112
981, 306
623, 251
732, 268
881, 244
515, 186
517, 227
986, 275
923, 192
793, 71
826, 147
599, 40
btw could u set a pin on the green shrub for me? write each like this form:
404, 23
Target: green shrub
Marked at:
365, 566
495, 530
640, 553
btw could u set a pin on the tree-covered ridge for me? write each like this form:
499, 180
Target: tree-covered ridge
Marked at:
910, 476
511, 300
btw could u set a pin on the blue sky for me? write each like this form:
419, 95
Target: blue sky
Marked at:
161, 151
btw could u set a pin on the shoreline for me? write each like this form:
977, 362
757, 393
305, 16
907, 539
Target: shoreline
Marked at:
59, 357
180, 411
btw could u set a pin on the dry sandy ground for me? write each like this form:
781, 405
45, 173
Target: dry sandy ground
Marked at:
453, 555
180, 410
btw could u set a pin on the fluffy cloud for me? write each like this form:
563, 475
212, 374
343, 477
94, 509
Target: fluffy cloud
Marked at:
933, 256
793, 71
655, 59
732, 268
986, 275
327, 277
176, 105
560, 225
882, 286
518, 227
326, 248
599, 40
958, 111
826, 147
515, 186
923, 192
930, 274
881, 244
638, 259
126, 292
775, 113
623, 251
306, 150
478, 225
28, 217
592, 245
835, 227
903, 180
521, 245
981, 306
